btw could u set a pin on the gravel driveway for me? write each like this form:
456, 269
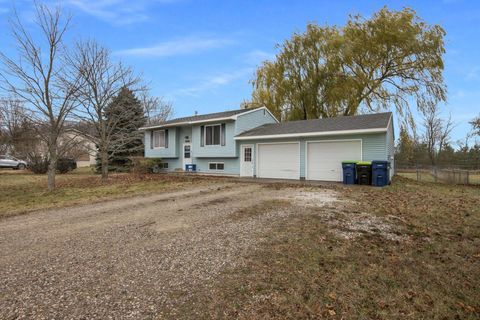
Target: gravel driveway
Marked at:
133, 258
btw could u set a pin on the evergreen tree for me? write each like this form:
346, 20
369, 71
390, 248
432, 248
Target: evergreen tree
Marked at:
127, 113
405, 148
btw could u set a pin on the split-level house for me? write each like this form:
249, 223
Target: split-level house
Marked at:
253, 143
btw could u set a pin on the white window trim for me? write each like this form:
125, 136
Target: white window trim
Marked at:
205, 135
242, 148
217, 163
164, 140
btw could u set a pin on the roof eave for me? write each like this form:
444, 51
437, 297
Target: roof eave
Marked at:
176, 124
312, 134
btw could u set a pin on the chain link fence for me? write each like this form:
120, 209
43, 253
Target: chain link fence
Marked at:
449, 174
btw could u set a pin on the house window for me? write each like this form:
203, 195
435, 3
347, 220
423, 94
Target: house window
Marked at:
212, 135
163, 165
159, 139
247, 154
216, 166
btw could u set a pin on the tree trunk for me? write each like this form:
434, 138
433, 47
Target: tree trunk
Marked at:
52, 166
104, 162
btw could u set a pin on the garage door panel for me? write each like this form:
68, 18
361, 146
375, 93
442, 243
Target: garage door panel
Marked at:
324, 159
279, 161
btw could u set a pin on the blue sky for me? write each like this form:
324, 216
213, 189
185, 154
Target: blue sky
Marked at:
200, 55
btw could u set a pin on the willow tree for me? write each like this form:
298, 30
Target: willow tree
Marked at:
392, 59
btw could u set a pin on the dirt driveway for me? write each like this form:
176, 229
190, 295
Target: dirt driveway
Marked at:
136, 257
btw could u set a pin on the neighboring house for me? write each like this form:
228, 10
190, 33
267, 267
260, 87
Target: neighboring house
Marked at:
252, 143
75, 145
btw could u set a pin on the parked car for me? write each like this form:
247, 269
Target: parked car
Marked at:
12, 162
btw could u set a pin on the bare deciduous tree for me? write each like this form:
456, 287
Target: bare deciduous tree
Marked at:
437, 132
156, 109
17, 130
102, 79
38, 76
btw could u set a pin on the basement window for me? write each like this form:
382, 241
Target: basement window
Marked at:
218, 166
163, 165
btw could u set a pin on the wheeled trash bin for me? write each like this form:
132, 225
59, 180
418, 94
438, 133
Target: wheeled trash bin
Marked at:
380, 173
190, 167
349, 172
364, 173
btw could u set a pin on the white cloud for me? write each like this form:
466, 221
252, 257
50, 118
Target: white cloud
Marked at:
214, 82
256, 57
187, 45
118, 12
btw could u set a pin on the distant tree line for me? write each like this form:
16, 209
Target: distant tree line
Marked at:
433, 146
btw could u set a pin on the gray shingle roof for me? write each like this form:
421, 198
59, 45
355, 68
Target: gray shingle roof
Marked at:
360, 122
200, 117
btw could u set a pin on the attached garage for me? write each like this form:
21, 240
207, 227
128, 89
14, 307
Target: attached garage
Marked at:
324, 158
314, 149
278, 160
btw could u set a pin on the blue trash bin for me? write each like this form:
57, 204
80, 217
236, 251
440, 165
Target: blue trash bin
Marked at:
190, 167
349, 172
380, 173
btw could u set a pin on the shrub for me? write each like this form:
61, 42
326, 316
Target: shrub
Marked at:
65, 165
142, 165
38, 165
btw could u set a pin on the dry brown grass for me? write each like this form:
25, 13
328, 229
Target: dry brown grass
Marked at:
302, 267
259, 209
21, 191
305, 270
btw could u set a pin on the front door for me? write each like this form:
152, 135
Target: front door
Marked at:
246, 161
187, 154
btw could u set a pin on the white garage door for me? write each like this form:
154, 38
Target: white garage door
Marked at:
324, 159
279, 161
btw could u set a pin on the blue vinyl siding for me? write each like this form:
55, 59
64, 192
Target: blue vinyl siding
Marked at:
373, 146
228, 150
173, 163
183, 133
170, 152
252, 120
232, 165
